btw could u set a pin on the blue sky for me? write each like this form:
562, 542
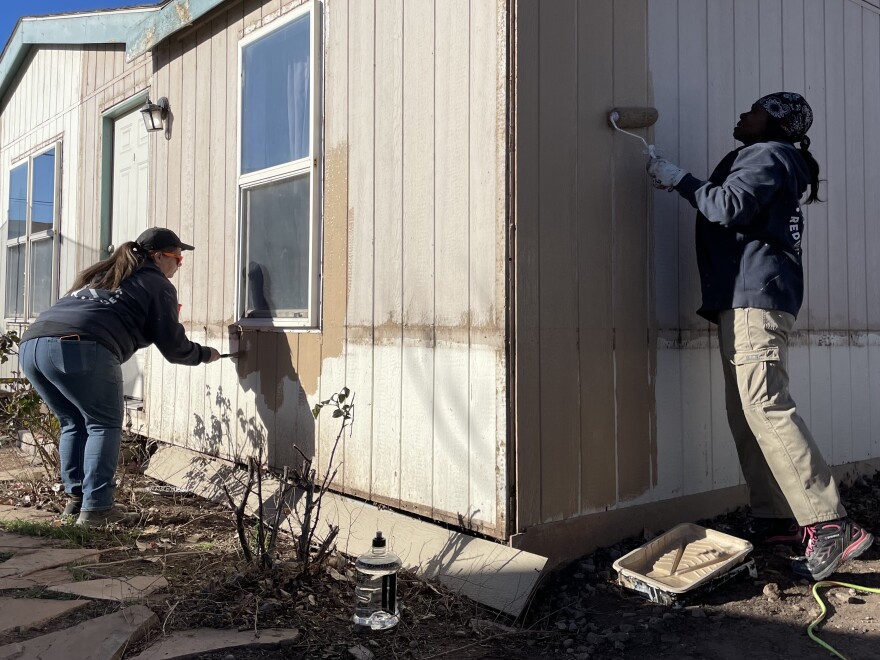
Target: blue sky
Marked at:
11, 10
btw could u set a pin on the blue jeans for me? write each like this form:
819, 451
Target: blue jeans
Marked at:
81, 382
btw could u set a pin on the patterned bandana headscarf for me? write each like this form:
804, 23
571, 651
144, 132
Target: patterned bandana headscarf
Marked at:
790, 111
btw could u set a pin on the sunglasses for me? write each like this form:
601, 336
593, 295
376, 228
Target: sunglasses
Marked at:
179, 257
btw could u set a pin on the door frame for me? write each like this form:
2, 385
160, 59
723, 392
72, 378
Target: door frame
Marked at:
108, 119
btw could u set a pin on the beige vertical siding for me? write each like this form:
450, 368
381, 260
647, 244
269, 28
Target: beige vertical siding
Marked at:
106, 81
619, 393
40, 107
415, 162
709, 61
584, 401
413, 256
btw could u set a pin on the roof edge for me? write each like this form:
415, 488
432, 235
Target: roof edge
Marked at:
156, 27
91, 27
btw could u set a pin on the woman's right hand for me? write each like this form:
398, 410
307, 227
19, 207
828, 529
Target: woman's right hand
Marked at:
215, 355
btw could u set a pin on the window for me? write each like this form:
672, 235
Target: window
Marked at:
31, 279
278, 174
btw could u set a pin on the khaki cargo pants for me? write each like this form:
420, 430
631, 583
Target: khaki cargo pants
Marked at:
783, 467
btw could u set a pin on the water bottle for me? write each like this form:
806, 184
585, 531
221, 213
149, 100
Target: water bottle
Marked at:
376, 587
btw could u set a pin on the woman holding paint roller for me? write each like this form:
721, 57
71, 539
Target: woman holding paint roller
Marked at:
72, 355
748, 233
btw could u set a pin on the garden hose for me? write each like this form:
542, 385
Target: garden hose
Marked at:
818, 619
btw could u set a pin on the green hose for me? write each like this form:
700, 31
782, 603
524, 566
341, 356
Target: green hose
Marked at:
818, 619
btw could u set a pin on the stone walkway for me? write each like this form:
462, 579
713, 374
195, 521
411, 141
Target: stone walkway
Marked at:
37, 587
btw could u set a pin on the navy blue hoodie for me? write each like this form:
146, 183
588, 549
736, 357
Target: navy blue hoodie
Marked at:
749, 229
142, 311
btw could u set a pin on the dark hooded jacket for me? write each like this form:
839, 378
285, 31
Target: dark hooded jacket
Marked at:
142, 311
750, 228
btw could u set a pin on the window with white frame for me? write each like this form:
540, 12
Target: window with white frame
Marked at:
31, 280
278, 173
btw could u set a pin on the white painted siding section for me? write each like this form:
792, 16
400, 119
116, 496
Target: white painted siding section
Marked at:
41, 106
728, 54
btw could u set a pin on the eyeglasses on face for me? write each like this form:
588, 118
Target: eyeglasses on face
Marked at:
179, 257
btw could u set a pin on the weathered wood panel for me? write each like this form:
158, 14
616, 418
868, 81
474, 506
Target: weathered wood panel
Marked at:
451, 173
668, 284
388, 273
595, 88
557, 271
636, 451
362, 171
424, 299
583, 305
527, 364
331, 373
417, 368
487, 413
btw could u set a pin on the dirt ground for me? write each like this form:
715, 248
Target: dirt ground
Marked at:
578, 611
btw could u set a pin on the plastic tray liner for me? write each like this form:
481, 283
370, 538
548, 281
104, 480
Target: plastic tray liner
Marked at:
683, 558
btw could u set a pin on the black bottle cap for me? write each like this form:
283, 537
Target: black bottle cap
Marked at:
378, 542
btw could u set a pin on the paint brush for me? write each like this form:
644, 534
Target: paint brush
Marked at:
232, 355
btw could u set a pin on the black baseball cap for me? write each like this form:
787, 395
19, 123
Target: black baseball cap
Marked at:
160, 238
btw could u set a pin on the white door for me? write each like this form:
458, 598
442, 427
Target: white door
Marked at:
131, 184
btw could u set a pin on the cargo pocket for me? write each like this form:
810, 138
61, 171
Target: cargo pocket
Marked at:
757, 375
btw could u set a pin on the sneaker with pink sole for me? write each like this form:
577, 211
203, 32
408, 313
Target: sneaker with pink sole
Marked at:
831, 543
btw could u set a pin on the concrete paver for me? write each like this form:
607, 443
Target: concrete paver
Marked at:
119, 589
193, 643
31, 612
22, 564
9, 512
39, 579
38, 562
11, 542
104, 638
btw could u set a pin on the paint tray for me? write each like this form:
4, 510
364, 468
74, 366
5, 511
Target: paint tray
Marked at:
686, 559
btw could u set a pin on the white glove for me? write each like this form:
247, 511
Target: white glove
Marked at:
664, 174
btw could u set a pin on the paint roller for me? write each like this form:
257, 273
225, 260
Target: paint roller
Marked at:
621, 118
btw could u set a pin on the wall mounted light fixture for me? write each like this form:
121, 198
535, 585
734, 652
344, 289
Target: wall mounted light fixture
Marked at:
154, 114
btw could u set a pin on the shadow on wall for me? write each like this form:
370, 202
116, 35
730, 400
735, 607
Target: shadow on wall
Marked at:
268, 417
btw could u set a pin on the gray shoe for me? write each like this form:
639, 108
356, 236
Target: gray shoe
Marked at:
115, 515
74, 504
